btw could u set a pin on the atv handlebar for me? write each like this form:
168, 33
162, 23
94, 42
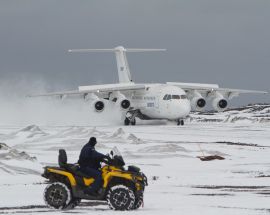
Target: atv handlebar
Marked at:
107, 160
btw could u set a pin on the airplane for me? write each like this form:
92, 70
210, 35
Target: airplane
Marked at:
171, 100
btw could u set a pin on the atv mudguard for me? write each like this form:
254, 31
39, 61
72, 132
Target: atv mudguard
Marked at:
52, 171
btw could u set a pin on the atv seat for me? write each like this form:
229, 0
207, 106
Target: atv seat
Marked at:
73, 168
62, 158
62, 161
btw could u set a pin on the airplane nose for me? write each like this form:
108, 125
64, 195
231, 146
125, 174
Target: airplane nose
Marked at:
185, 108
179, 109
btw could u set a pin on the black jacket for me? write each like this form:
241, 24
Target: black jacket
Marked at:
89, 157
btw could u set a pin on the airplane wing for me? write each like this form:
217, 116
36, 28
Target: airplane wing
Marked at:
106, 88
209, 89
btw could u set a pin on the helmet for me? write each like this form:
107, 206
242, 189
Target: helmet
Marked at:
92, 141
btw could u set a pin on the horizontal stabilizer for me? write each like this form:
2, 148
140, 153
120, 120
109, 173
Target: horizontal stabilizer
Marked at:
124, 74
117, 49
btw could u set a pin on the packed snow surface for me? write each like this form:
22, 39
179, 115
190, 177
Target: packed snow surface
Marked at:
179, 182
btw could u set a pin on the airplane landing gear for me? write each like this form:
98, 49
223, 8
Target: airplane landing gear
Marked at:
180, 122
127, 121
131, 117
133, 122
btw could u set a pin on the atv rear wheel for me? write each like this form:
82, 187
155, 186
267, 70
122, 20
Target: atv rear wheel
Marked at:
57, 195
121, 197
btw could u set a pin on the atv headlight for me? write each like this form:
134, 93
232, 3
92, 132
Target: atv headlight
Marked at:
139, 186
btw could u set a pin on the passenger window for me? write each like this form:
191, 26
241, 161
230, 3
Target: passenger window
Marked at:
175, 97
169, 97
183, 97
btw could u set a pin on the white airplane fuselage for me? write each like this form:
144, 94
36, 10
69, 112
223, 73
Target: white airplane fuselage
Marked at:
153, 104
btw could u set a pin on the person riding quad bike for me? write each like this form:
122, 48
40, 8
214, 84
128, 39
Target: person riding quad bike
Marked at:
89, 162
121, 187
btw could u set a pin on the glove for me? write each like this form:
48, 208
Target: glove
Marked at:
107, 159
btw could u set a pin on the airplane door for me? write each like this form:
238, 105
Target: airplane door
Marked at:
157, 102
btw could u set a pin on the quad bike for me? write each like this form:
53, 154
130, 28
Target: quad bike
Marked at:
122, 189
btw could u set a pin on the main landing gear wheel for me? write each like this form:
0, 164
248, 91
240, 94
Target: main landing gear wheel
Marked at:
180, 122
121, 197
133, 122
57, 195
126, 121
131, 117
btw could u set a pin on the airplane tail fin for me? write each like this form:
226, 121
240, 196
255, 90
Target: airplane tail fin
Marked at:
121, 59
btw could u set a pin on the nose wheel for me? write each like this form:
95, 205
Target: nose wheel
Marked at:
180, 122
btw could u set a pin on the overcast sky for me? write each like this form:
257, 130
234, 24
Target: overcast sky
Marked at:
209, 41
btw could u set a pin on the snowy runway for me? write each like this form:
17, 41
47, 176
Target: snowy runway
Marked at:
178, 181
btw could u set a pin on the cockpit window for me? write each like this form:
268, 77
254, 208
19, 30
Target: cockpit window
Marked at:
175, 97
165, 97
169, 97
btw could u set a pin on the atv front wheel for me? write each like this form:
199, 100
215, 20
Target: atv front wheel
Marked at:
57, 195
138, 202
121, 197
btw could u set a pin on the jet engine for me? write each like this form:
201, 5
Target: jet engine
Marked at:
121, 100
96, 103
99, 105
125, 104
220, 104
198, 103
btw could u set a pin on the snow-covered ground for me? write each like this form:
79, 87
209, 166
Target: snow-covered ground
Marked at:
179, 182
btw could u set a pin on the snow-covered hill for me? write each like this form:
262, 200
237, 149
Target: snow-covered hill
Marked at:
179, 182
14, 162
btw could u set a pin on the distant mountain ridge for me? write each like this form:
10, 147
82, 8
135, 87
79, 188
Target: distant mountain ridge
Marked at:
252, 113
